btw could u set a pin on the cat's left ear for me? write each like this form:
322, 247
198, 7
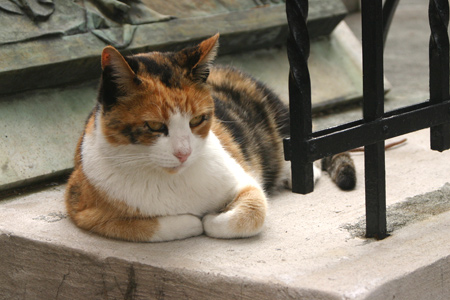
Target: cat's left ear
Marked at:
200, 58
114, 61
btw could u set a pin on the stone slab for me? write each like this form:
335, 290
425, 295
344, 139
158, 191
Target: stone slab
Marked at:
305, 251
61, 59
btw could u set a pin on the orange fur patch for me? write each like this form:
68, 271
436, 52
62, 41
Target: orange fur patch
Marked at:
208, 48
153, 101
90, 210
250, 207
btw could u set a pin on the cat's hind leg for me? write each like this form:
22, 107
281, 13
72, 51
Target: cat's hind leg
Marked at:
243, 217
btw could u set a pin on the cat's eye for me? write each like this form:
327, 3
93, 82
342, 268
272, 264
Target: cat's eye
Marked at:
196, 121
156, 126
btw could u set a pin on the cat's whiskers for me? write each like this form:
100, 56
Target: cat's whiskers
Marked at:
125, 159
122, 159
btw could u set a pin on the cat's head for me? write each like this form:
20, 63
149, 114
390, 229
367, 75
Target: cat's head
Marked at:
157, 105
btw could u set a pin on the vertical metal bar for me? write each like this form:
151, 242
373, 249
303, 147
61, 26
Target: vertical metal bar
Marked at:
373, 89
389, 8
438, 13
299, 96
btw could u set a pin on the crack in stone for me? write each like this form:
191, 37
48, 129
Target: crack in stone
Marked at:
132, 285
61, 284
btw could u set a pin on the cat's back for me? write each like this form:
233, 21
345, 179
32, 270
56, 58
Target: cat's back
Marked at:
236, 91
256, 119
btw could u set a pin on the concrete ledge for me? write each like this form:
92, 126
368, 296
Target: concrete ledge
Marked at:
305, 252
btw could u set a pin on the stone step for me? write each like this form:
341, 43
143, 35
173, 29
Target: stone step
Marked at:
311, 247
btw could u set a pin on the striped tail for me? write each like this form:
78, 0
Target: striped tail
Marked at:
341, 169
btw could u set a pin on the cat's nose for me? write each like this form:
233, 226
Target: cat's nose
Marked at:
182, 156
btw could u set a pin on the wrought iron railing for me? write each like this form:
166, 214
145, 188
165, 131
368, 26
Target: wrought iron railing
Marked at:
305, 146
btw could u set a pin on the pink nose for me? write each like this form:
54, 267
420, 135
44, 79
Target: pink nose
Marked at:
182, 156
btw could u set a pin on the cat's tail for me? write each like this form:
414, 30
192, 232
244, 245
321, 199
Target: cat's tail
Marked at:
341, 169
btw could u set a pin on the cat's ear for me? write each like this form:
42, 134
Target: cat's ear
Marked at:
200, 58
118, 79
114, 62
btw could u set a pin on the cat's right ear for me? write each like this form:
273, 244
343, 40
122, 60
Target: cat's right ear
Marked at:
117, 78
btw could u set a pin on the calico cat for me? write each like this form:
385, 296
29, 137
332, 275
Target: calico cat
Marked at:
176, 147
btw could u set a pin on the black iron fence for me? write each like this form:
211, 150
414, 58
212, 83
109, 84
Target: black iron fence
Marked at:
305, 146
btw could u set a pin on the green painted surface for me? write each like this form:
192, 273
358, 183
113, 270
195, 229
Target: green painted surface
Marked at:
39, 132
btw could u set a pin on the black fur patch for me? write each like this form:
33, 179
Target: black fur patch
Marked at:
280, 110
346, 178
233, 124
130, 134
163, 71
108, 91
192, 56
254, 113
133, 63
341, 170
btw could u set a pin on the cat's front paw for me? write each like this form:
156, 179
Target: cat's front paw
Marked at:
224, 226
178, 227
216, 225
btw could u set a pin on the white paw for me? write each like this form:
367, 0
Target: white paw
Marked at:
317, 173
224, 226
178, 227
216, 225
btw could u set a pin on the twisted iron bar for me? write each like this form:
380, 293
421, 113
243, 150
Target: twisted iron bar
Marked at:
389, 8
298, 47
297, 14
298, 44
438, 13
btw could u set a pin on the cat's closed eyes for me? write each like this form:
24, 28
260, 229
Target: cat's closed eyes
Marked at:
176, 147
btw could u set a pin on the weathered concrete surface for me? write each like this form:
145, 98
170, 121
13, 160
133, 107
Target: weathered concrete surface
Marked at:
304, 252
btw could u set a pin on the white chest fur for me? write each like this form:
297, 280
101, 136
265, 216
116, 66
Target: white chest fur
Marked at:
206, 185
